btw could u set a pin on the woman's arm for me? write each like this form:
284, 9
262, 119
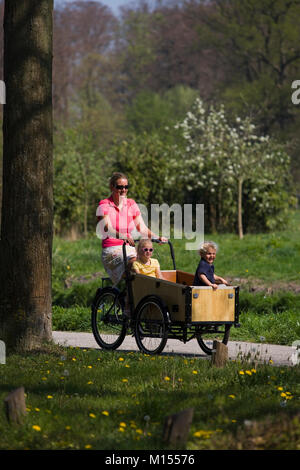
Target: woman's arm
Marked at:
108, 230
145, 231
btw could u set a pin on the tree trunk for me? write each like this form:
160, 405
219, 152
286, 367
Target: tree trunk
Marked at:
27, 204
240, 208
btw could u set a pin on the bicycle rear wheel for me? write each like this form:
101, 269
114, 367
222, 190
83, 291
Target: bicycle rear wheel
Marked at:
108, 321
205, 340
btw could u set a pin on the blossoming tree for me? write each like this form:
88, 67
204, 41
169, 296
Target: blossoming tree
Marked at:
221, 156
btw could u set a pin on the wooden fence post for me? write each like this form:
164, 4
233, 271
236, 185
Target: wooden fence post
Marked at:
177, 426
220, 354
15, 405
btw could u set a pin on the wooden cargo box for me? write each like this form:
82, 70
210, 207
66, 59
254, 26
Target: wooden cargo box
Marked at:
186, 302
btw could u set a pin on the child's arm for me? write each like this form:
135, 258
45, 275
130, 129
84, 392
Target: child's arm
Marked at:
158, 273
220, 280
135, 268
207, 282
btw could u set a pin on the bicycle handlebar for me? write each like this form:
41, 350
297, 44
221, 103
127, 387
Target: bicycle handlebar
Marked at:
155, 240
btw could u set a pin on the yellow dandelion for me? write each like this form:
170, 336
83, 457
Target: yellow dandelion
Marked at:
121, 358
139, 431
90, 382
280, 389
121, 429
126, 365
283, 395
49, 397
124, 380
167, 378
241, 372
74, 359
90, 367
195, 372
248, 372
92, 415
105, 413
36, 427
204, 434
231, 396
122, 425
37, 409
88, 446
253, 370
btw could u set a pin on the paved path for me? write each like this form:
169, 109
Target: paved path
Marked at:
260, 352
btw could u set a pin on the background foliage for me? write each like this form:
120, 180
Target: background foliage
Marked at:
121, 84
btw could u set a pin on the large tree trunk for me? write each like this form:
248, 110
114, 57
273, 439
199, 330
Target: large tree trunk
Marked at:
27, 205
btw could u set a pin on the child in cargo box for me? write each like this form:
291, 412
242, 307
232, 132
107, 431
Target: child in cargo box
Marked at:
144, 263
205, 272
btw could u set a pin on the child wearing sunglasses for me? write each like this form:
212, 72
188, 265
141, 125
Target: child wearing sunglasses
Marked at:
144, 263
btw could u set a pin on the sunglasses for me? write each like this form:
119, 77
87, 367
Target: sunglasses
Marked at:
121, 186
148, 249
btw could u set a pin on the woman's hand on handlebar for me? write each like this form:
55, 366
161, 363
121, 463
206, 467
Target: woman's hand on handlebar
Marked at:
130, 241
162, 240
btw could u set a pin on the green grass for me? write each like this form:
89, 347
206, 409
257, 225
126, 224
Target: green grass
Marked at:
265, 257
88, 399
92, 399
257, 325
266, 262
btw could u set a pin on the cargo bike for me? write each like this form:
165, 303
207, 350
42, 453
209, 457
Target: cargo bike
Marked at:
162, 309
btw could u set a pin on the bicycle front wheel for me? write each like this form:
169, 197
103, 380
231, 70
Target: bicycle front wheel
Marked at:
108, 321
151, 327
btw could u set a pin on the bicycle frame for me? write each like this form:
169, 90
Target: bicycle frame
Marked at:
128, 275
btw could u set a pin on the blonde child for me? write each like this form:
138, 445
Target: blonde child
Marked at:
144, 263
205, 273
